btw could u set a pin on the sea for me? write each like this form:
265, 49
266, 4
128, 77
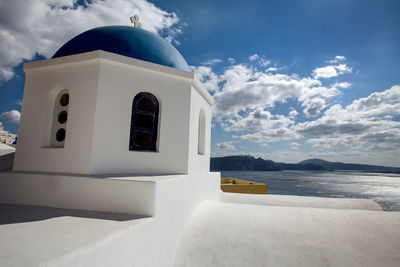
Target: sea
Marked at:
383, 188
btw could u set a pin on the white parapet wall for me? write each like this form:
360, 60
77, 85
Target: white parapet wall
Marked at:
144, 195
166, 201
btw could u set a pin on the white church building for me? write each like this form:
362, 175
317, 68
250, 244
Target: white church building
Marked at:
112, 169
114, 109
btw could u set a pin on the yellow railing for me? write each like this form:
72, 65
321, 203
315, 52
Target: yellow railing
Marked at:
233, 185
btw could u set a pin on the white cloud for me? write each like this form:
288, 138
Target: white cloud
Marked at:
6, 73
337, 59
325, 72
271, 69
253, 57
314, 106
40, 27
331, 71
294, 145
207, 77
293, 114
243, 89
343, 68
264, 62
212, 62
258, 120
10, 116
366, 128
379, 103
245, 98
343, 85
263, 127
226, 146
269, 135
365, 124
231, 60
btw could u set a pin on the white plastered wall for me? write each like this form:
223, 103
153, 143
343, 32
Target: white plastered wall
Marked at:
118, 85
44, 80
199, 163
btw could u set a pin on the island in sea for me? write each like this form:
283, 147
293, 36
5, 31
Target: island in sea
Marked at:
249, 163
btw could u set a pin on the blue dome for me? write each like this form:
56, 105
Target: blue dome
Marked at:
127, 41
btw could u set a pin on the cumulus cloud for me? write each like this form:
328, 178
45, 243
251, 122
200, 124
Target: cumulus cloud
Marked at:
343, 85
378, 103
226, 146
271, 69
231, 60
258, 120
269, 135
265, 62
294, 145
331, 71
253, 57
245, 100
260, 60
207, 77
10, 116
40, 27
245, 88
212, 62
337, 59
293, 113
366, 123
263, 127
313, 107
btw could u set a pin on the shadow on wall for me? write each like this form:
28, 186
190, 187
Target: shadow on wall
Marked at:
6, 161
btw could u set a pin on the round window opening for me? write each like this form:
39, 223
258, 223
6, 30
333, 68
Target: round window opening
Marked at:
64, 100
60, 135
62, 117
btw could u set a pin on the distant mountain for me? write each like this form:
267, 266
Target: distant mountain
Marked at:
302, 166
314, 161
242, 163
331, 166
249, 163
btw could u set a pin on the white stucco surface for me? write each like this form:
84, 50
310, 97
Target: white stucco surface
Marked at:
32, 236
301, 201
231, 234
6, 149
216, 233
142, 195
6, 157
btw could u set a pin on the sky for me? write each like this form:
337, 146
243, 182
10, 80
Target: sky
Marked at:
291, 80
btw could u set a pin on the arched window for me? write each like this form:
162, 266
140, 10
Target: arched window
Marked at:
60, 117
202, 133
144, 123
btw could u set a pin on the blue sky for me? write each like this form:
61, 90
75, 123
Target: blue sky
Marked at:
291, 80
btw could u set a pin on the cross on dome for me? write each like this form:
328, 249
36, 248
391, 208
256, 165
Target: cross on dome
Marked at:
135, 21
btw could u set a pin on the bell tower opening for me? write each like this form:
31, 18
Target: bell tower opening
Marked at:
60, 117
144, 123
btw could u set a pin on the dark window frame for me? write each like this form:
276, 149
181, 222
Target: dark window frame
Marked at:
153, 130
